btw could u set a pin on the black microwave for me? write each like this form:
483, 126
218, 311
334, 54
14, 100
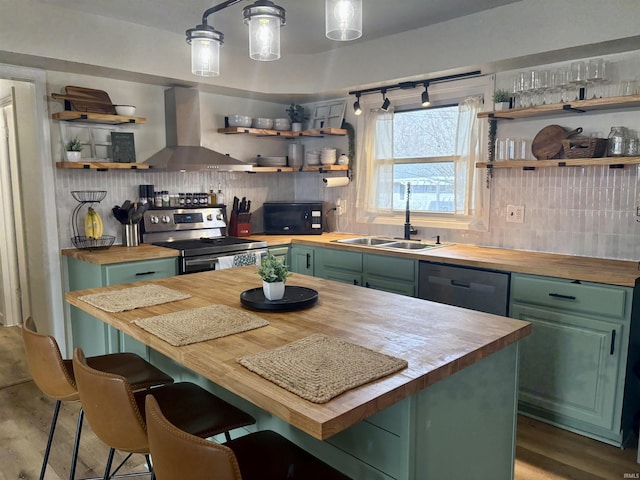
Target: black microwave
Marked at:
292, 218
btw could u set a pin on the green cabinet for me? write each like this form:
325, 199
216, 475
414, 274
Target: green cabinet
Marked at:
381, 272
573, 365
302, 259
92, 335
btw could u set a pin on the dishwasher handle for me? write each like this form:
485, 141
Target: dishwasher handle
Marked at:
458, 283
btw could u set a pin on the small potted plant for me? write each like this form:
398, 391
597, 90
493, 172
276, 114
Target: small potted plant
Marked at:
501, 99
73, 150
296, 115
274, 274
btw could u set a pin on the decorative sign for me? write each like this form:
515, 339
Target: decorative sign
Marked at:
123, 148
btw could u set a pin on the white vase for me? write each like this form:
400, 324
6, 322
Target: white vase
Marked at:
273, 290
501, 106
296, 127
73, 156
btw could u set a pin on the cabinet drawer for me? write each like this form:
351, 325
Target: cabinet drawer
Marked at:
589, 298
339, 259
138, 271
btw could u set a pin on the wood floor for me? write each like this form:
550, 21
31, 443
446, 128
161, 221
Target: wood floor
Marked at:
543, 452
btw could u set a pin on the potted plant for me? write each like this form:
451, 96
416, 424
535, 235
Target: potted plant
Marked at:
274, 274
73, 149
296, 115
501, 99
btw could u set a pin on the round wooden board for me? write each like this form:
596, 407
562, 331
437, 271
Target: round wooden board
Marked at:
547, 143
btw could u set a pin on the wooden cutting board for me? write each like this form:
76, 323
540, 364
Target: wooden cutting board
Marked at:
83, 99
547, 144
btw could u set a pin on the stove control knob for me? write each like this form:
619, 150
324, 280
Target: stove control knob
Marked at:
209, 217
154, 219
166, 219
219, 217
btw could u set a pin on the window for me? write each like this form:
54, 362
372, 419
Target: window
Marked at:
434, 149
423, 152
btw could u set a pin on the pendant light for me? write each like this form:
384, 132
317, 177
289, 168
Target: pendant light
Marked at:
264, 19
205, 44
343, 19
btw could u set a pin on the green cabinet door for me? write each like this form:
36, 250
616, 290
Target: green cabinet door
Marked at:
570, 365
92, 335
302, 259
339, 265
391, 274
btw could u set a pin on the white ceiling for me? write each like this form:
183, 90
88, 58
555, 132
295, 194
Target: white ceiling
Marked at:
304, 30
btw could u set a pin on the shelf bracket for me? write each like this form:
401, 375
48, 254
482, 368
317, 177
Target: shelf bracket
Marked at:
617, 165
569, 108
493, 116
528, 168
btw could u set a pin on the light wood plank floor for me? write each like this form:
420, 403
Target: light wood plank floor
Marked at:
543, 452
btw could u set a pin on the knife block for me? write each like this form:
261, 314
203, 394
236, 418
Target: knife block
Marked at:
240, 224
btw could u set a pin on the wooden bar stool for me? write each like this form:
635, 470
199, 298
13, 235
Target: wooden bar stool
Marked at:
117, 414
55, 378
263, 455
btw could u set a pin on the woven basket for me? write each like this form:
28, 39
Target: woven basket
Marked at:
584, 147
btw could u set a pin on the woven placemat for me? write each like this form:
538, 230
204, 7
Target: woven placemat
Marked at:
318, 368
133, 297
200, 324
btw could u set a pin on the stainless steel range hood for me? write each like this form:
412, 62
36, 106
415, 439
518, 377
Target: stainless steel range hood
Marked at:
183, 152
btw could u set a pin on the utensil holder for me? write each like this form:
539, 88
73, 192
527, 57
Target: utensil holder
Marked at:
130, 235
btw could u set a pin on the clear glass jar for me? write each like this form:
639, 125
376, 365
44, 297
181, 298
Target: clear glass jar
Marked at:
617, 142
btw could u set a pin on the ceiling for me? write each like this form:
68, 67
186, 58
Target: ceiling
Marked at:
304, 30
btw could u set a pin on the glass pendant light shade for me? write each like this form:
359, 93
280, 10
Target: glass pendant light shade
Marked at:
205, 50
264, 19
343, 19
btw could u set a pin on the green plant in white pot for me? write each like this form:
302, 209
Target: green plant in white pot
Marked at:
274, 274
73, 150
296, 115
501, 99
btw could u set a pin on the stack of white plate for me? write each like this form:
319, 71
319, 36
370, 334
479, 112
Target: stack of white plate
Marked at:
281, 124
312, 158
271, 161
328, 156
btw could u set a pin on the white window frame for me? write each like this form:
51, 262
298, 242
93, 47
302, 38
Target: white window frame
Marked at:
440, 94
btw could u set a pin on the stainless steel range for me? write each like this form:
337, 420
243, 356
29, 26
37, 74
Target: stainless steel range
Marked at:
199, 234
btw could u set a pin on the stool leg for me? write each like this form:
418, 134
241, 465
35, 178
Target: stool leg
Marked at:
52, 429
107, 470
76, 445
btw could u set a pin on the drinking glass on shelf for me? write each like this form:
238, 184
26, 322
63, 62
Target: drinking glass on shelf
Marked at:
597, 76
544, 86
510, 146
563, 77
579, 78
522, 149
534, 87
501, 150
629, 87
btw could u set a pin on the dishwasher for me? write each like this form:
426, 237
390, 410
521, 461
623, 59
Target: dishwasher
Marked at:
473, 288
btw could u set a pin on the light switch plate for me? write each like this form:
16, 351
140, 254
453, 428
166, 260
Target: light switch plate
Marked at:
515, 213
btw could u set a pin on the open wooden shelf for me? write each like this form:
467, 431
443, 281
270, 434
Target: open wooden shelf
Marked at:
88, 117
262, 132
102, 166
577, 106
613, 162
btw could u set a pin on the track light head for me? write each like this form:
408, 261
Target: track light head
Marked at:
425, 95
386, 103
356, 105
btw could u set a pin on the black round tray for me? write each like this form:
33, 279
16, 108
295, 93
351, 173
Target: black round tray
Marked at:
295, 298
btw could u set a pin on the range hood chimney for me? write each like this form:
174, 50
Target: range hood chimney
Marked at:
183, 152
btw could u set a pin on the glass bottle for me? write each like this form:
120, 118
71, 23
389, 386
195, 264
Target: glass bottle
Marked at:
220, 195
617, 142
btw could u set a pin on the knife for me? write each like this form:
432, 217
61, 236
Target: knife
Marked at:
248, 206
243, 204
234, 209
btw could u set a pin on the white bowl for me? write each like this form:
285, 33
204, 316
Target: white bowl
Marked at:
312, 158
266, 123
272, 161
125, 110
281, 124
239, 121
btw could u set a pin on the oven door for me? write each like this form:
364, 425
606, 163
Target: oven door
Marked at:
204, 263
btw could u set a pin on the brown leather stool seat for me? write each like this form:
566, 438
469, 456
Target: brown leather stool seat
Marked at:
263, 455
117, 414
55, 377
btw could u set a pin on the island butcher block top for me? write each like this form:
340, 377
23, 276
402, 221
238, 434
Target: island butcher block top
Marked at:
436, 340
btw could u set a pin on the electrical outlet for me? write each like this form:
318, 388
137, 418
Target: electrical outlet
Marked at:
340, 206
515, 213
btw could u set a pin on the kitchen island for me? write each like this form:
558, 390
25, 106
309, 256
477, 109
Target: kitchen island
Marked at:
450, 414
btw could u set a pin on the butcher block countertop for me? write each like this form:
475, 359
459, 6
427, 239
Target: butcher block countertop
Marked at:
120, 254
589, 269
437, 341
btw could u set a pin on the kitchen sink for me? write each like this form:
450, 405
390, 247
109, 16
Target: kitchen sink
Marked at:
368, 241
390, 243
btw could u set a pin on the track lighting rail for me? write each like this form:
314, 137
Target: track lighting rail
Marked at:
406, 85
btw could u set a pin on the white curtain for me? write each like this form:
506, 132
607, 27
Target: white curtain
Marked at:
375, 166
469, 198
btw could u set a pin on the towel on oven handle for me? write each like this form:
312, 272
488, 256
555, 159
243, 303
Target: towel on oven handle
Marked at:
239, 260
